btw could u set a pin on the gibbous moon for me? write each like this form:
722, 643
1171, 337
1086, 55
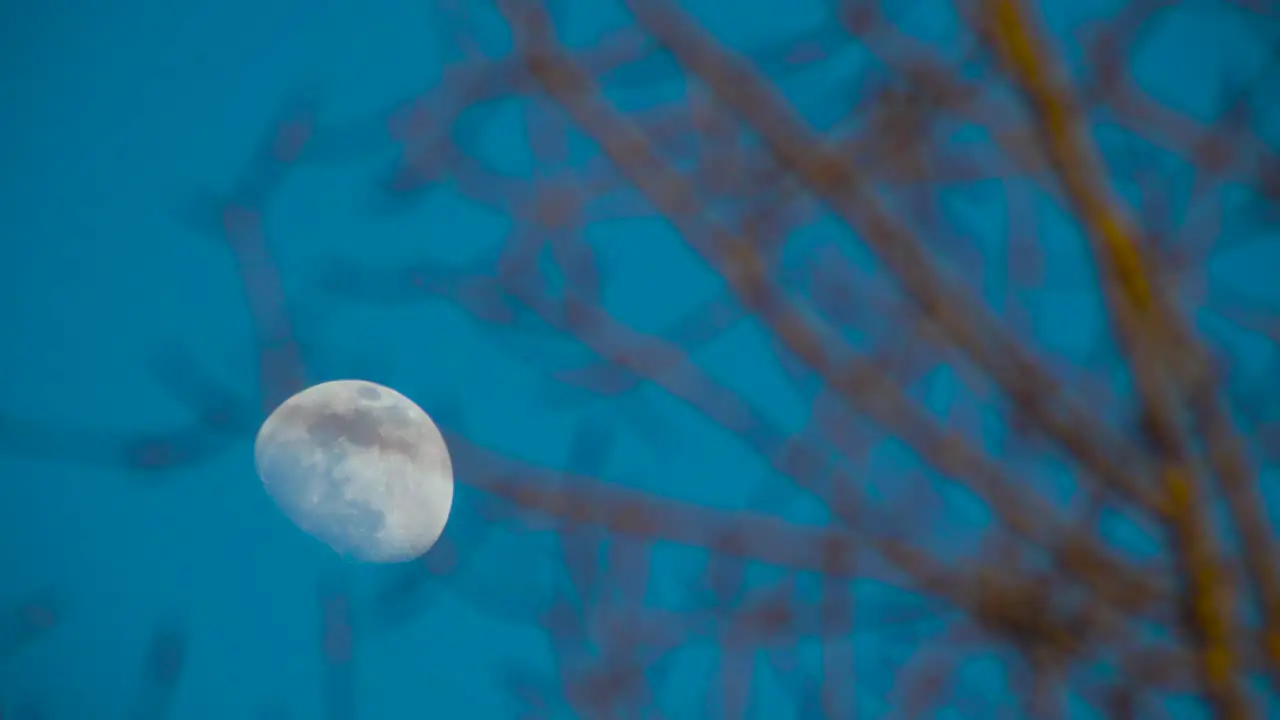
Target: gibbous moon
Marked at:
360, 467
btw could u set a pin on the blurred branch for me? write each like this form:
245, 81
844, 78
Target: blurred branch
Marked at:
1153, 335
963, 321
860, 382
1072, 611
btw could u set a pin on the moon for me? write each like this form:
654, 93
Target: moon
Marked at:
360, 467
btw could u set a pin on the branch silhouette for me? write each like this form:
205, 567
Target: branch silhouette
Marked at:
841, 246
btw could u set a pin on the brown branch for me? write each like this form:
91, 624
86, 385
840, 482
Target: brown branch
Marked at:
962, 320
860, 382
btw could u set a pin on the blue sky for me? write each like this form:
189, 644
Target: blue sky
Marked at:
115, 114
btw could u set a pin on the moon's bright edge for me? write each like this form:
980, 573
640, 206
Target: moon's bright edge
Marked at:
360, 467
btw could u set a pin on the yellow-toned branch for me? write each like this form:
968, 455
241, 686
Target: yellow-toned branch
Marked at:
1149, 331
